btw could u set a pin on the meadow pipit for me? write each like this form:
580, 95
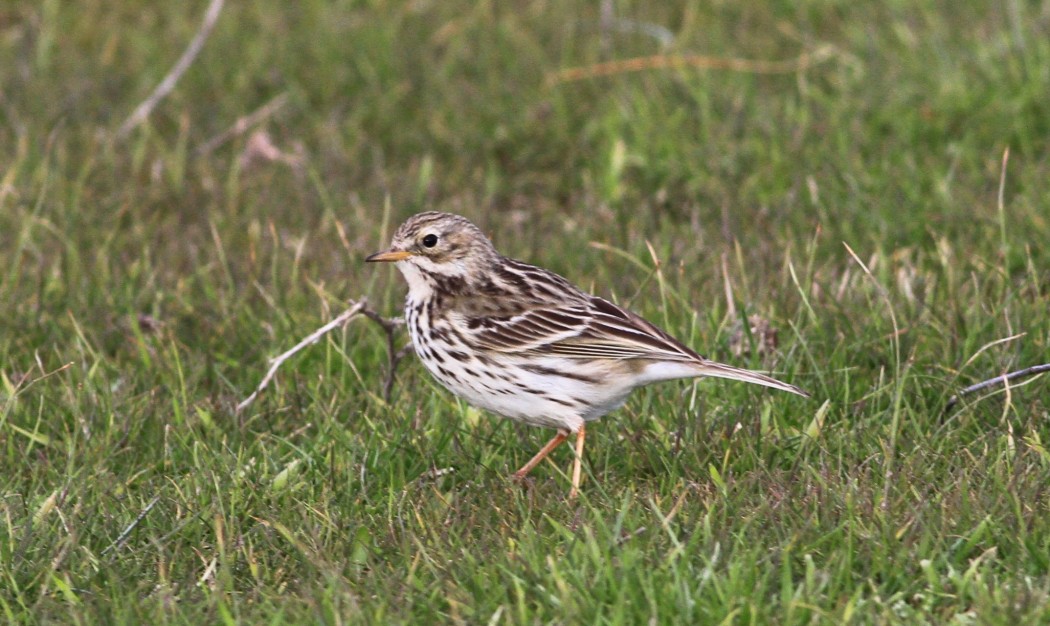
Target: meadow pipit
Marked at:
524, 343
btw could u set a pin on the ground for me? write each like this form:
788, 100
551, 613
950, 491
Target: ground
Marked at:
868, 181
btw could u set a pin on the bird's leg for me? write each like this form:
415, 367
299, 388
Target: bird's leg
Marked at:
577, 463
542, 454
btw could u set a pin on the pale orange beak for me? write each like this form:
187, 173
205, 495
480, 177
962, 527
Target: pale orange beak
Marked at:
390, 256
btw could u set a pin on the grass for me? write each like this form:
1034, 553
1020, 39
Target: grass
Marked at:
145, 285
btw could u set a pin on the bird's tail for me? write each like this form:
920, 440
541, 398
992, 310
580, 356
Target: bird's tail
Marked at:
720, 370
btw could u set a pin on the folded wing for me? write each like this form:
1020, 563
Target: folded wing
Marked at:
592, 329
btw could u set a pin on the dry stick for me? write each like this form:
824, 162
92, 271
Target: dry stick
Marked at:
243, 124
168, 84
1003, 380
276, 362
394, 355
388, 386
389, 326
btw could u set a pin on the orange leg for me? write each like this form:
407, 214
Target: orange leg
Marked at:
542, 454
577, 463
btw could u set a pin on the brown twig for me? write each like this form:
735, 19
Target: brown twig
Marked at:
277, 361
388, 386
1003, 380
673, 61
243, 124
142, 111
394, 355
389, 326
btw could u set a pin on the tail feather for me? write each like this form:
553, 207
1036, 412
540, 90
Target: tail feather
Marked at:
720, 370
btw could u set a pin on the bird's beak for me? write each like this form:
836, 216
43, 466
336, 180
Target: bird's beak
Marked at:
389, 256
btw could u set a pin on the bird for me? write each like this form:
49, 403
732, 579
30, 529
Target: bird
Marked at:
523, 342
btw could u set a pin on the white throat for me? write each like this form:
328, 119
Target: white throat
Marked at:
419, 286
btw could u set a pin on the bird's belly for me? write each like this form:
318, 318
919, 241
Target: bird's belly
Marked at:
525, 392
537, 390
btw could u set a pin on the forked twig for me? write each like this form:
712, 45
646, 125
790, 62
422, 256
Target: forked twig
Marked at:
142, 111
276, 362
998, 380
389, 326
394, 355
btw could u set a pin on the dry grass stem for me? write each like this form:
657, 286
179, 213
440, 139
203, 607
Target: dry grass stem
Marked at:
678, 61
143, 110
244, 124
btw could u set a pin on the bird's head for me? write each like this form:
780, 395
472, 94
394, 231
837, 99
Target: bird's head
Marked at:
439, 249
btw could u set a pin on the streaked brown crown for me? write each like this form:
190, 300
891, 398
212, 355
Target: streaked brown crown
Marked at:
456, 239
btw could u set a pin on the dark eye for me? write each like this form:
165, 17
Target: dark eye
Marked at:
430, 241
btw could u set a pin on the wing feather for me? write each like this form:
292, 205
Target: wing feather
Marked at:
594, 329
551, 317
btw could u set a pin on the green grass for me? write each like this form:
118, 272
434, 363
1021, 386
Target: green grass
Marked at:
144, 286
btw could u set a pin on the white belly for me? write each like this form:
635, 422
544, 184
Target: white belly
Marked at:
527, 389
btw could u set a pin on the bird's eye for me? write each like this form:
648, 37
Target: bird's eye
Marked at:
430, 241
